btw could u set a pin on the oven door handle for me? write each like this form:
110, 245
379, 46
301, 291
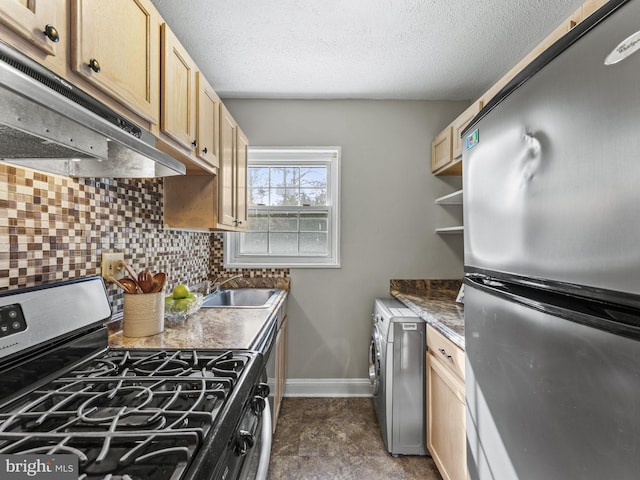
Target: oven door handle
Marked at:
265, 448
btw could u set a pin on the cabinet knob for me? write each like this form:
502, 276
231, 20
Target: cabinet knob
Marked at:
94, 65
194, 143
52, 33
204, 150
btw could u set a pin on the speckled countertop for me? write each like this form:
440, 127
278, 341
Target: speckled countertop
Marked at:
219, 328
435, 302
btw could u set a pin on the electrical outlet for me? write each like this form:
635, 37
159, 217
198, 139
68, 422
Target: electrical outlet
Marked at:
111, 266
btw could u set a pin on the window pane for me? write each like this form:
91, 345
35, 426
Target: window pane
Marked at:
277, 177
258, 221
313, 196
283, 222
291, 197
314, 222
283, 243
277, 197
314, 243
253, 243
259, 196
313, 177
258, 176
285, 176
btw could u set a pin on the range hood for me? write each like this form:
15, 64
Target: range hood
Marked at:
48, 124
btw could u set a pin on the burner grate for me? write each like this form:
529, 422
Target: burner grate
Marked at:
127, 412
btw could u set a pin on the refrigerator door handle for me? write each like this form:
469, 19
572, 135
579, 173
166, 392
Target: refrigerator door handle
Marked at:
610, 317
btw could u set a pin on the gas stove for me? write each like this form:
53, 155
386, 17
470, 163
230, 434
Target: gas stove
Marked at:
127, 414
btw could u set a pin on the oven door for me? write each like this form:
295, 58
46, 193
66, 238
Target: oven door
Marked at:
256, 464
249, 449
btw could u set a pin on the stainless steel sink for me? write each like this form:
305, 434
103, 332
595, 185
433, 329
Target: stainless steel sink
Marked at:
241, 298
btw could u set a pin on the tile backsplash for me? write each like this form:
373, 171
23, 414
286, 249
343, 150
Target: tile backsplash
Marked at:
55, 228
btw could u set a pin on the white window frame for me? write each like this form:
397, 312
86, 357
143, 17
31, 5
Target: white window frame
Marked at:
270, 156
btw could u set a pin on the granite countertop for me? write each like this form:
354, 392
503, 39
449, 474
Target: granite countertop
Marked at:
435, 302
216, 328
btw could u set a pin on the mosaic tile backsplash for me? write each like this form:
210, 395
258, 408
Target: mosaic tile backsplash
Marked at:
56, 228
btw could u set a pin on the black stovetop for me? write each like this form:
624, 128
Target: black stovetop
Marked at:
136, 413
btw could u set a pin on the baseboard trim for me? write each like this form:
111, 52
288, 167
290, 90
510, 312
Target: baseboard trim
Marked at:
327, 387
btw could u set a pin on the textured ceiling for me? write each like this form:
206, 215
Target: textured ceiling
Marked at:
376, 49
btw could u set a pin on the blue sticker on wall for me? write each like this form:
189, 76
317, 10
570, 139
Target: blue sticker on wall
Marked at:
472, 139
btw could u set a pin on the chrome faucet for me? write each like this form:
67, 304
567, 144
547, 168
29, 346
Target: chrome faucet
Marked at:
217, 284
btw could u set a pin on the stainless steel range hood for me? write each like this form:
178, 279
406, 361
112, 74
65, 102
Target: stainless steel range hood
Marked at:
50, 125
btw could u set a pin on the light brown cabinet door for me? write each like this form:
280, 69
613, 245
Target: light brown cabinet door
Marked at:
232, 174
178, 78
441, 150
115, 46
29, 18
208, 125
226, 173
459, 124
446, 437
242, 147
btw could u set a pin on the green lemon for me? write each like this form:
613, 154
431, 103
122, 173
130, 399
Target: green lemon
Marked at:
181, 291
183, 304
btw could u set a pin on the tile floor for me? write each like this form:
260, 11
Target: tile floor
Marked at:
337, 438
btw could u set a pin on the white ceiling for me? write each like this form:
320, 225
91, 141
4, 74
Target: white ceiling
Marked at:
375, 49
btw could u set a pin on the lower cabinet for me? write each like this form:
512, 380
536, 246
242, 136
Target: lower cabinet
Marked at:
446, 437
281, 370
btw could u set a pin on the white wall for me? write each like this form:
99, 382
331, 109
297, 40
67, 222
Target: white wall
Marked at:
388, 217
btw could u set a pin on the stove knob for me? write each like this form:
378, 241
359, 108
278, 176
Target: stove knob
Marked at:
258, 404
263, 390
244, 442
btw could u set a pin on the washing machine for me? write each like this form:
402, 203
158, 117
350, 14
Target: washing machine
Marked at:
397, 374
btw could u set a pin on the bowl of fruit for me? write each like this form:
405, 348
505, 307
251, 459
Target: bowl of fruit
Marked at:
181, 303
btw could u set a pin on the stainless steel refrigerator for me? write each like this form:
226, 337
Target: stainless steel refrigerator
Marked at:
551, 174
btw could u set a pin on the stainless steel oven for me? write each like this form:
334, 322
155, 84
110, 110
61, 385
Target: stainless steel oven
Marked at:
164, 414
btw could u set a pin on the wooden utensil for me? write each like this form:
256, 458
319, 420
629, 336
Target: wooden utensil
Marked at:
159, 281
145, 281
129, 285
124, 287
129, 270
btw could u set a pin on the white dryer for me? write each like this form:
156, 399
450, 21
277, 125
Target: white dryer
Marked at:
397, 374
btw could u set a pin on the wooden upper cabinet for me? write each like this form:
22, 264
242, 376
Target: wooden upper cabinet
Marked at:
208, 125
459, 124
178, 78
441, 149
115, 46
226, 200
232, 175
29, 19
242, 149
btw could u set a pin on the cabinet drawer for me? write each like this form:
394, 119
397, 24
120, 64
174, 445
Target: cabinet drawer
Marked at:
445, 350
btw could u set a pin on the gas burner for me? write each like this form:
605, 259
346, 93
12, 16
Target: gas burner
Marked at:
125, 414
123, 406
100, 368
134, 412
